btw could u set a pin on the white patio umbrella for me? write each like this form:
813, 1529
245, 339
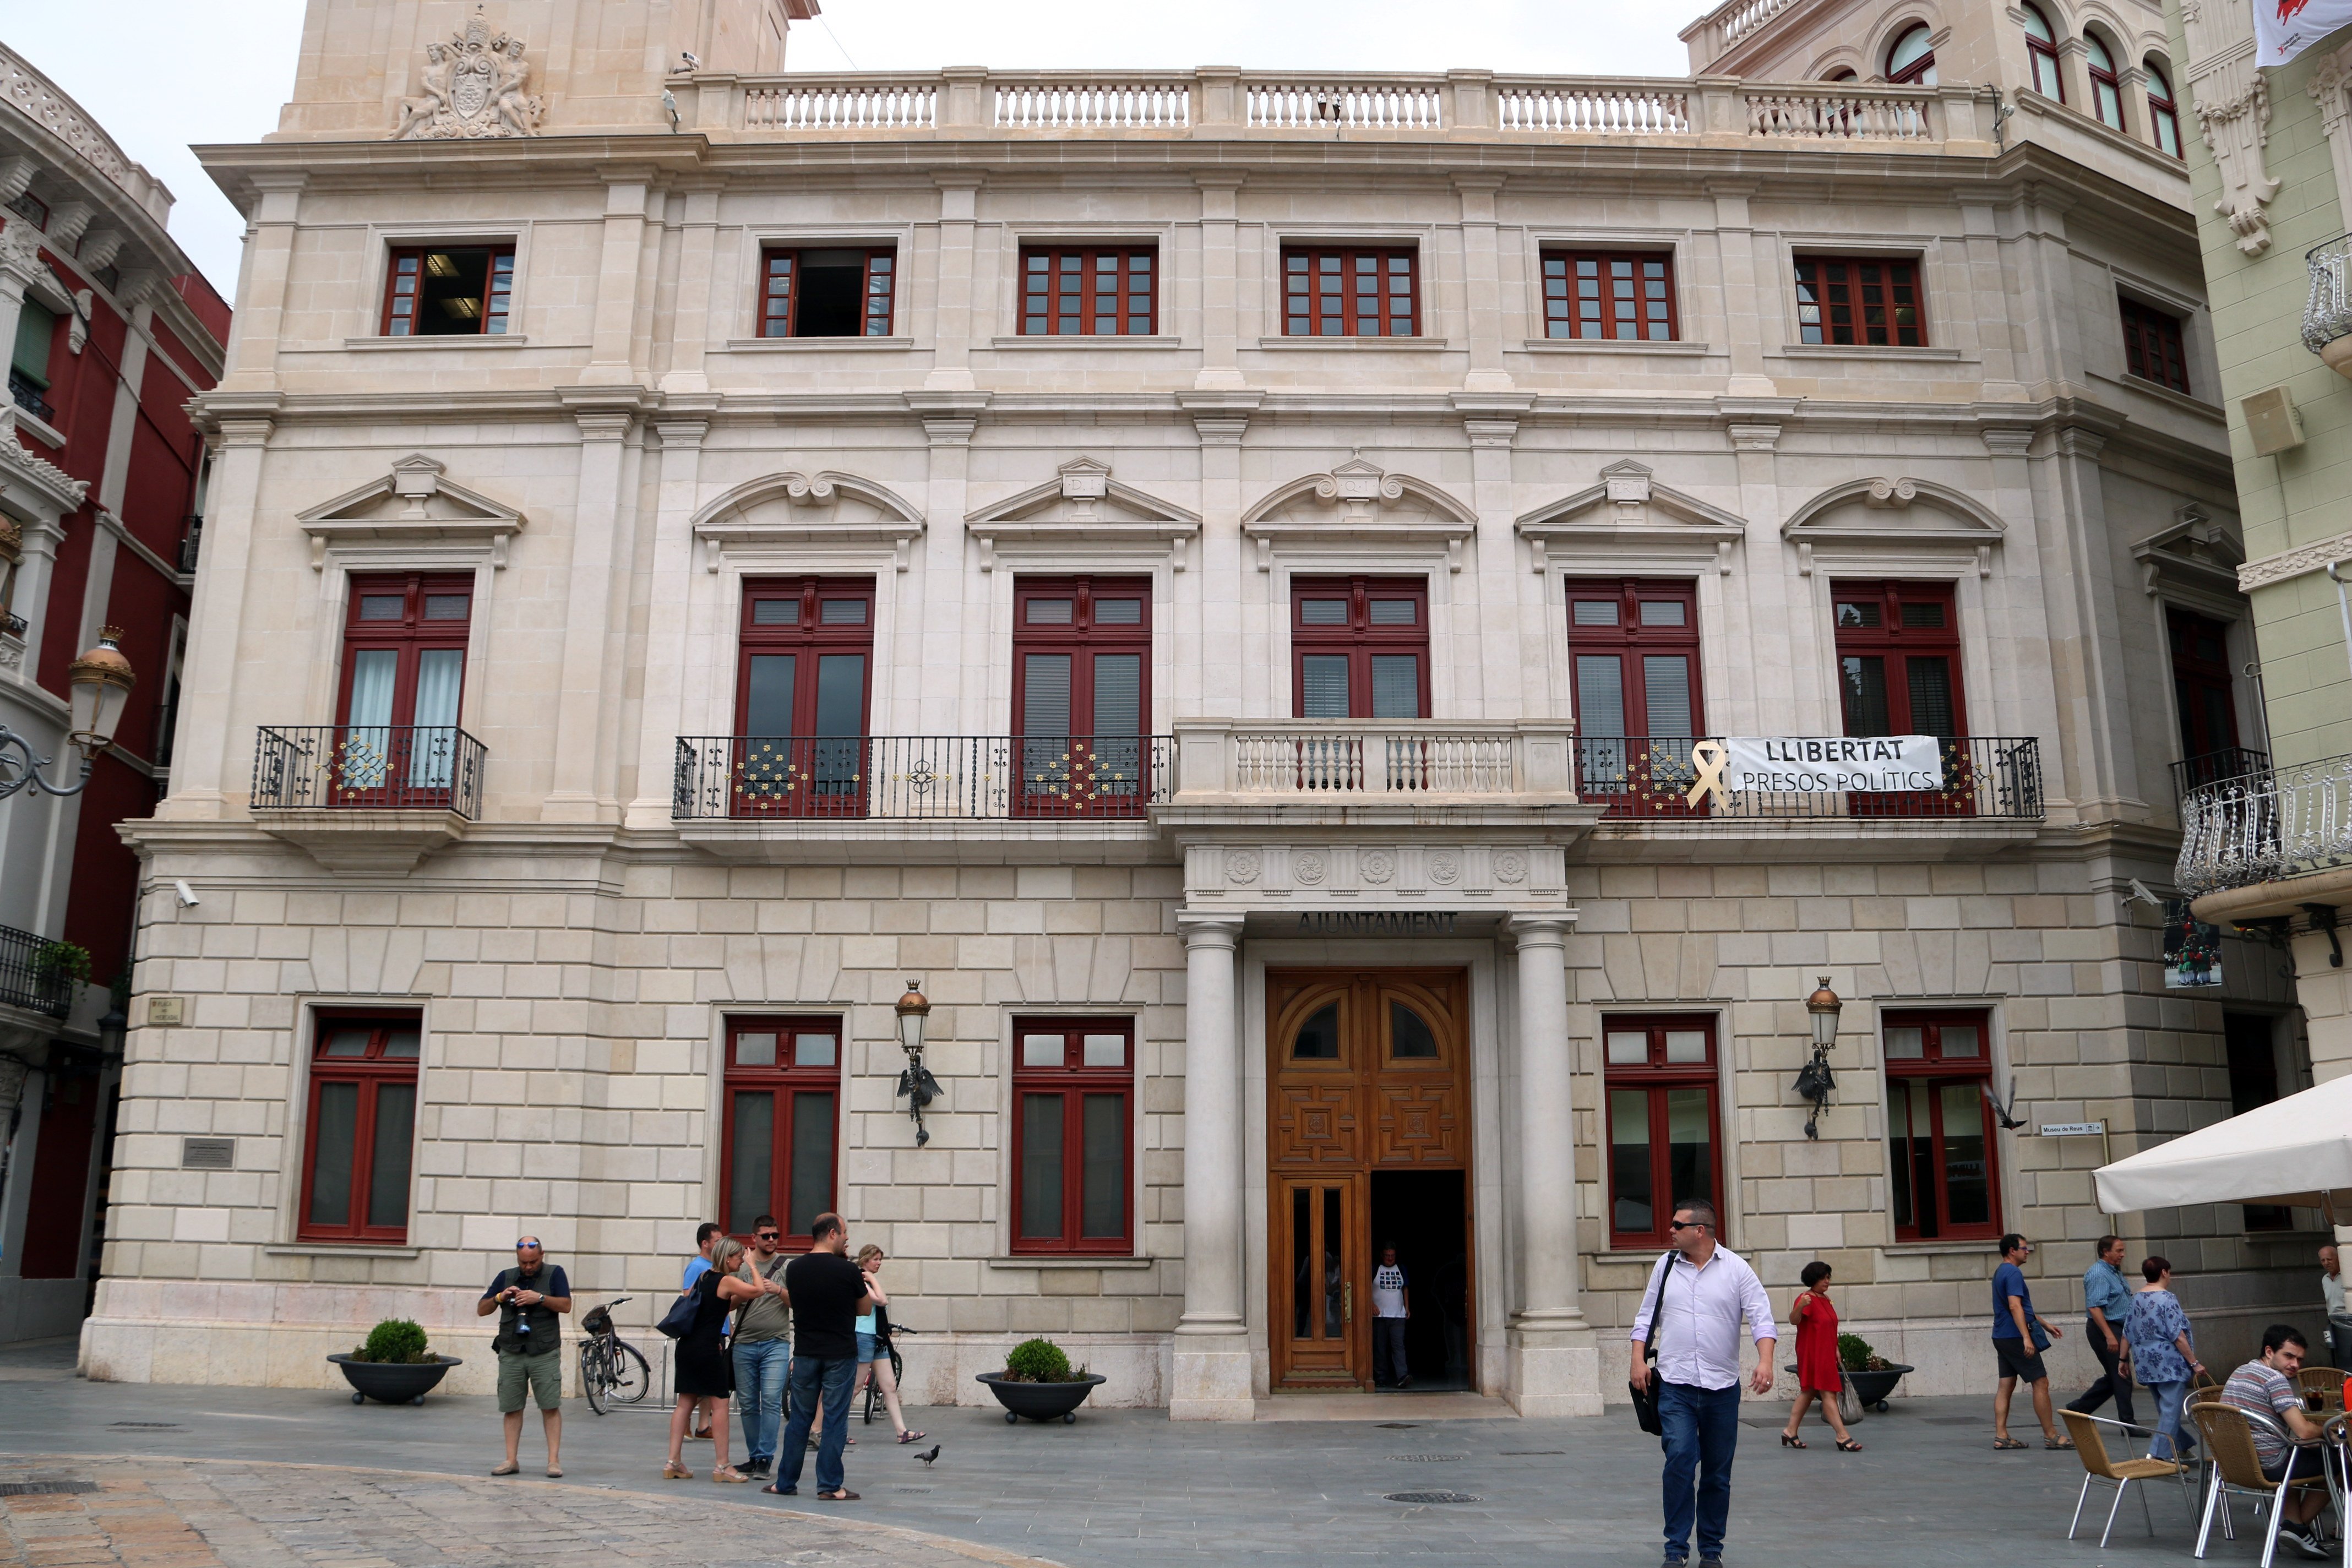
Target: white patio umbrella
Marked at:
2294, 1151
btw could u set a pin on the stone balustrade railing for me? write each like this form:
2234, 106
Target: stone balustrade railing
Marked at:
1456, 105
1334, 761
1724, 25
24, 88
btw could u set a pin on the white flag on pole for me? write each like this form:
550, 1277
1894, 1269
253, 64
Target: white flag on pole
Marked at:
2284, 28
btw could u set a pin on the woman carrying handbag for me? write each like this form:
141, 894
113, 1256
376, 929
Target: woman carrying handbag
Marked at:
1819, 1374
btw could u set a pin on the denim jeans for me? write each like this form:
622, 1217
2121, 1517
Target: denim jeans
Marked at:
1701, 1429
2169, 1398
761, 1368
814, 1377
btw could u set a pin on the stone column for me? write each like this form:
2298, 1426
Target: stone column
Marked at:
612, 348
1220, 283
1555, 1362
208, 668
1212, 1354
951, 333
665, 713
581, 764
261, 290
1484, 315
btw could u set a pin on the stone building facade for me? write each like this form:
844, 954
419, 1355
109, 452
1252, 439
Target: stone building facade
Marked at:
1271, 744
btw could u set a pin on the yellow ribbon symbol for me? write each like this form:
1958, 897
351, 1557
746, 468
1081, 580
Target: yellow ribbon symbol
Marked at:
1710, 758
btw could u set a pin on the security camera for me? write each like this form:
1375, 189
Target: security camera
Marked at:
187, 894
2139, 893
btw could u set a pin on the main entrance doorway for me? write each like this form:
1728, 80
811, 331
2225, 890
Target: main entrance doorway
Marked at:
1368, 1127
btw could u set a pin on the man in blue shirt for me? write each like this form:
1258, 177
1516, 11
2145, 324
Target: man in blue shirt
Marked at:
2107, 1299
2019, 1337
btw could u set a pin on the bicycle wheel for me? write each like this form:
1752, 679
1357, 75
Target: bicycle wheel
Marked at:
629, 1377
593, 1374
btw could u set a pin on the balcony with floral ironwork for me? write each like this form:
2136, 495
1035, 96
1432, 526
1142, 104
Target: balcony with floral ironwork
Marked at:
368, 797
2263, 843
1989, 782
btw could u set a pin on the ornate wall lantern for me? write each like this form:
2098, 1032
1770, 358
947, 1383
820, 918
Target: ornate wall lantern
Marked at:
1814, 1079
915, 1082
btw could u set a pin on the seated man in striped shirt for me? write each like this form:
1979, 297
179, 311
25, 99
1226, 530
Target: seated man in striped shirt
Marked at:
2267, 1388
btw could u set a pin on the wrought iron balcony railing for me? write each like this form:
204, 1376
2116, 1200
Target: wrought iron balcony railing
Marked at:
362, 767
907, 777
15, 626
2213, 767
190, 543
1985, 777
26, 396
2327, 316
2266, 826
32, 973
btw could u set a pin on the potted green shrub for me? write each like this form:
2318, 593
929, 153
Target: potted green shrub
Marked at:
1870, 1375
1037, 1381
395, 1366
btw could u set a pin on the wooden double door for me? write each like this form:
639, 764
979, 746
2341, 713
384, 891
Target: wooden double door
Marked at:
1368, 1072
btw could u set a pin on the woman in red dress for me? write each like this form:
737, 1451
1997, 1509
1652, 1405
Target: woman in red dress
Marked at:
1818, 1375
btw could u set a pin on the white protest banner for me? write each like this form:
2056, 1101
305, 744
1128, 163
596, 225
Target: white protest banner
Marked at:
1817, 765
2284, 28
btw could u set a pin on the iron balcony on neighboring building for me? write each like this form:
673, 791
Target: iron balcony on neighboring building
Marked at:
32, 973
2213, 767
2269, 829
2327, 316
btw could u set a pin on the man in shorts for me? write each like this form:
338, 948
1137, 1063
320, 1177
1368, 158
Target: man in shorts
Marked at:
530, 1347
2019, 1334
2266, 1387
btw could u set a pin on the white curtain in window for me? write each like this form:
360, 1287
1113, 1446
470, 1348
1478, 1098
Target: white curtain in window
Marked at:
434, 741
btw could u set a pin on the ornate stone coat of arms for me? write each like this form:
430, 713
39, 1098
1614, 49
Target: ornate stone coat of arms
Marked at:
473, 88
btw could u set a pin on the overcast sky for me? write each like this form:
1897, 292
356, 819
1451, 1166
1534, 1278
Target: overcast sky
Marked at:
161, 74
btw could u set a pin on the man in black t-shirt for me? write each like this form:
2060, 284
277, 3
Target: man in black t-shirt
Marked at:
828, 1293
530, 1347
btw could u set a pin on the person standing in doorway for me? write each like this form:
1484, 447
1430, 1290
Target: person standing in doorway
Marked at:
1698, 1294
2331, 1290
1392, 1307
2019, 1337
2107, 1299
530, 1348
763, 1348
828, 1295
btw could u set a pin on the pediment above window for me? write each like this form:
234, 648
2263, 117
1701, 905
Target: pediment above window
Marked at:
414, 505
1082, 505
1864, 522
1630, 510
1360, 503
786, 512
2195, 556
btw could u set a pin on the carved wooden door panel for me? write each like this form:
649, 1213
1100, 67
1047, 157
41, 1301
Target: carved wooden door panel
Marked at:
1419, 1077
1321, 1306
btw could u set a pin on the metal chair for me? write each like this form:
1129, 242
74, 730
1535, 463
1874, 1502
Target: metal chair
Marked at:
2326, 1381
2098, 1467
2336, 1464
2229, 1434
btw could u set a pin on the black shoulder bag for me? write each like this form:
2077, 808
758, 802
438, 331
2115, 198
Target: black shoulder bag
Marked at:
1645, 1396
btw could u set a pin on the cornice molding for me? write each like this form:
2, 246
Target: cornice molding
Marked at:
2296, 563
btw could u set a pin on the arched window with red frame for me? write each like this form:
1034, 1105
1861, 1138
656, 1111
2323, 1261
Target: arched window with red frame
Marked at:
402, 687
1072, 1171
361, 1126
2163, 113
781, 1087
806, 648
2041, 55
1943, 1163
1911, 59
1662, 1082
1082, 694
2107, 88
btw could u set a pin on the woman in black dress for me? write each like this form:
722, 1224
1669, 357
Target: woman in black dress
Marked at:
706, 1374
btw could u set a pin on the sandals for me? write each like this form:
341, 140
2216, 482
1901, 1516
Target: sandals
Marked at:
509, 1469
2057, 1445
555, 1472
841, 1495
1848, 1446
2007, 1443
1791, 1440
728, 1473
912, 1436
674, 1471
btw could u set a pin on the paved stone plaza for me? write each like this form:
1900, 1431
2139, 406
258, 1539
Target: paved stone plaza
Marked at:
400, 1488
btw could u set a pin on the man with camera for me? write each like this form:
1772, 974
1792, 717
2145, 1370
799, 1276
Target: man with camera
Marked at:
530, 1347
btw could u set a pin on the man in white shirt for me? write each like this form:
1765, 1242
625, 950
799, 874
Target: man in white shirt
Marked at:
1696, 1295
1391, 1306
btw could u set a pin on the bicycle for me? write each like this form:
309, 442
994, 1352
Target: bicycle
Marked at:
611, 1371
898, 1375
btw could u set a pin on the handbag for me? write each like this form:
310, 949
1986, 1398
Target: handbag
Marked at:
1645, 1395
678, 1321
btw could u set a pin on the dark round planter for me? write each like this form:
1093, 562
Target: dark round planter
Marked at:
1040, 1400
1872, 1387
395, 1382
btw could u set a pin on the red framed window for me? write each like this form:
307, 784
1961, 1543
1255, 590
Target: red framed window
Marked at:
1664, 1146
783, 1092
449, 290
402, 685
2041, 55
362, 1126
1082, 694
1898, 647
1073, 1085
1843, 300
2204, 691
1081, 291
2107, 88
1609, 294
1940, 1154
2163, 113
1359, 648
838, 293
1350, 292
2152, 346
1634, 649
1911, 60
805, 646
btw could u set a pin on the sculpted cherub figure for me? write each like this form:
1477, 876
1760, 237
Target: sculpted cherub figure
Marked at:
517, 109
418, 112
